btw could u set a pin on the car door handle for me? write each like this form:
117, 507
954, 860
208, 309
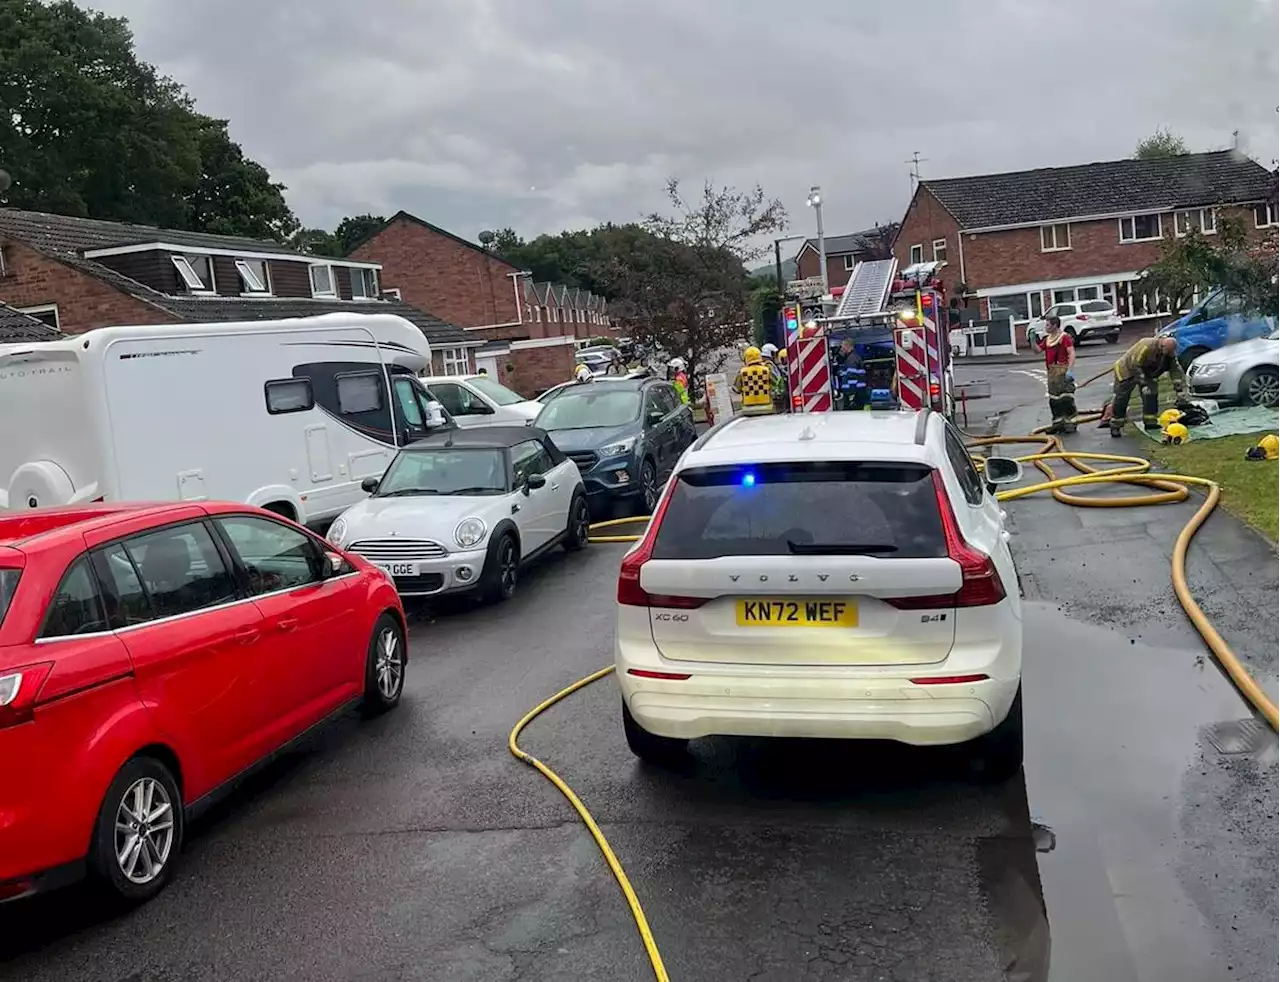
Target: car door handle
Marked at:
247, 636
555, 487
287, 623
514, 509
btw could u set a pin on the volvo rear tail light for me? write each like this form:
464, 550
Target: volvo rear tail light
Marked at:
980, 584
630, 593
19, 688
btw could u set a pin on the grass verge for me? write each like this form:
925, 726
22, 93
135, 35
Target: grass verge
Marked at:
1250, 488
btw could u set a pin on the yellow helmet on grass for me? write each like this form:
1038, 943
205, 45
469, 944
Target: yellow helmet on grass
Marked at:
1170, 416
1176, 433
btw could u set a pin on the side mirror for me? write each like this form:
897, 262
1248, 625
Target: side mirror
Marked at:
435, 415
535, 481
654, 417
333, 564
1001, 470
370, 484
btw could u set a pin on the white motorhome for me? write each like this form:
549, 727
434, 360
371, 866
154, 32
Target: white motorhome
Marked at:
291, 415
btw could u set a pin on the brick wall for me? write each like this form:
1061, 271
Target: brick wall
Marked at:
925, 221
84, 302
438, 274
1012, 257
837, 275
537, 369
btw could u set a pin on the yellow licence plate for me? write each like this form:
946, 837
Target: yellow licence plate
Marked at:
797, 612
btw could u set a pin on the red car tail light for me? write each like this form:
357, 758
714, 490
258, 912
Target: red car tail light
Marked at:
630, 594
950, 679
19, 688
980, 584
644, 673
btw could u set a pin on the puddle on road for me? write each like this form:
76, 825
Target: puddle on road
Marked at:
1119, 767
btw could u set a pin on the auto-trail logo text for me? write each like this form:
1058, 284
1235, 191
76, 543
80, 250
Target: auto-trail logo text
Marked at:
160, 354
13, 373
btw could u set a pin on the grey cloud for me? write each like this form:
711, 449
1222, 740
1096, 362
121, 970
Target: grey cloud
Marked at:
559, 113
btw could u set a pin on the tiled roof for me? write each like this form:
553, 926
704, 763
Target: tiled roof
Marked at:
1105, 188
64, 234
863, 241
17, 326
202, 309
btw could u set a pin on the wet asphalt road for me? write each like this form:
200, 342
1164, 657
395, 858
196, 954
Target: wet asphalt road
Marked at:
415, 847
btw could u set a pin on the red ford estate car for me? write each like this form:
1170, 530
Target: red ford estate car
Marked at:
150, 654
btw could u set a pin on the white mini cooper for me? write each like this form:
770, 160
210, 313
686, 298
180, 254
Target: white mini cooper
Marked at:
463, 510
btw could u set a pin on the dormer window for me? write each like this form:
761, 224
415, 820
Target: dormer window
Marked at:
196, 272
253, 276
364, 284
322, 284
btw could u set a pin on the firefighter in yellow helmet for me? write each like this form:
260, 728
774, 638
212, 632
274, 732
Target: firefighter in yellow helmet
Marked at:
754, 383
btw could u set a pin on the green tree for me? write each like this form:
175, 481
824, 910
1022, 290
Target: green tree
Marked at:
1242, 266
316, 242
353, 232
1162, 143
680, 283
89, 129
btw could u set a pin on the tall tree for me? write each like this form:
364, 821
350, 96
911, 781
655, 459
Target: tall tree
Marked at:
316, 242
1162, 143
683, 284
1243, 266
353, 232
89, 129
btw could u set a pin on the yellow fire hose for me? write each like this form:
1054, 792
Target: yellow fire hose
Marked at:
1131, 470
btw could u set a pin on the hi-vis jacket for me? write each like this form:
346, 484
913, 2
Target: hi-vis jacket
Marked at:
755, 384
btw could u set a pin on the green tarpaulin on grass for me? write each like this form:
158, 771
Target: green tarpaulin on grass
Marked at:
1228, 422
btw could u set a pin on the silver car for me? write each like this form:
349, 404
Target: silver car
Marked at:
1245, 372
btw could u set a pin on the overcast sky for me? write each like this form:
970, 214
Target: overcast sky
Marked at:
553, 114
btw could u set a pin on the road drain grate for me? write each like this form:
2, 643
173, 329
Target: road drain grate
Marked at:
1237, 736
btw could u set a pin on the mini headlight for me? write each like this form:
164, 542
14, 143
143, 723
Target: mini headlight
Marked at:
337, 533
621, 447
470, 532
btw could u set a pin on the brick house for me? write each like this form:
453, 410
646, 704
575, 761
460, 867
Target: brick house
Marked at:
1023, 241
17, 327
76, 274
844, 252
468, 285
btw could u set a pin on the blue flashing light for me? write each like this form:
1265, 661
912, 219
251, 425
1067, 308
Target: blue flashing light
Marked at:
748, 480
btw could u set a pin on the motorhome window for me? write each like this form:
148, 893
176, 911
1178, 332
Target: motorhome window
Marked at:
322, 281
289, 395
253, 275
196, 272
364, 284
359, 393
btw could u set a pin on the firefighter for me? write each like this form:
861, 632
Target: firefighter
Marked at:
582, 374
781, 387
754, 383
679, 376
1141, 367
778, 375
848, 371
1059, 362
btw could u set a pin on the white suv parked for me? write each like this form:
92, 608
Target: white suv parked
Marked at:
839, 575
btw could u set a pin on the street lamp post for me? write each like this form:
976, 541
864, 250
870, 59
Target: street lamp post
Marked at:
777, 259
815, 202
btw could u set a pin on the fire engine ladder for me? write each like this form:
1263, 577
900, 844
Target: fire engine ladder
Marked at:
867, 290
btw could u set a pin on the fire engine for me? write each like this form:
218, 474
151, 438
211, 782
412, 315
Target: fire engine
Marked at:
896, 320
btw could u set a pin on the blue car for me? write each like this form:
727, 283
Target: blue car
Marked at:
1213, 322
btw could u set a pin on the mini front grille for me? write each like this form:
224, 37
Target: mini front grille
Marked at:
398, 550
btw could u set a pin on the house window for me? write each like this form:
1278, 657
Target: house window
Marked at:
1264, 215
1004, 306
453, 361
917, 254
392, 294
848, 261
1055, 238
537, 314
322, 284
253, 276
1204, 220
364, 284
196, 272
46, 314
939, 250
1141, 228
1088, 293
1035, 303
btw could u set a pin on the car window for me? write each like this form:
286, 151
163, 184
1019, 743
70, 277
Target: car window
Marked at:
591, 404
457, 399
275, 556
964, 468
181, 569
1095, 307
76, 607
530, 457
665, 398
779, 509
122, 590
496, 391
408, 400
8, 587
454, 471
1218, 305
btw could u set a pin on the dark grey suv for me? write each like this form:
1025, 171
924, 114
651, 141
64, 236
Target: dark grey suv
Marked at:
625, 435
